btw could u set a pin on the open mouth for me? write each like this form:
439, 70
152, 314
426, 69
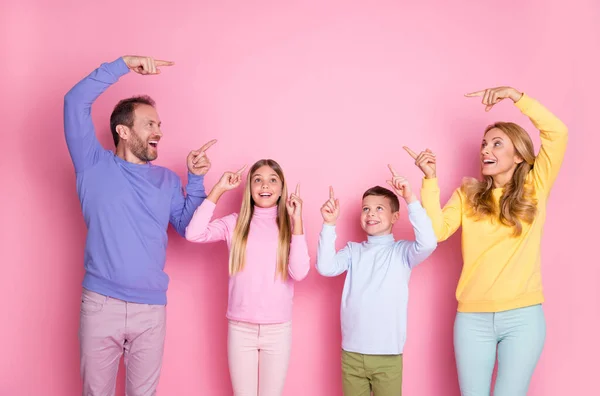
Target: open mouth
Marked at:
488, 162
265, 195
153, 143
372, 222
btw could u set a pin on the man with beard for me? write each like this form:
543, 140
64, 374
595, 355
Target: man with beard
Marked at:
127, 205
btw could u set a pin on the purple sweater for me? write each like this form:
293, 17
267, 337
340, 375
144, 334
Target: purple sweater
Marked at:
126, 207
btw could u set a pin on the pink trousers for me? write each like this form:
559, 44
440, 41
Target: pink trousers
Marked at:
258, 357
110, 328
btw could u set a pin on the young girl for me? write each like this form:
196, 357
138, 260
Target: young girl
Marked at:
502, 217
267, 253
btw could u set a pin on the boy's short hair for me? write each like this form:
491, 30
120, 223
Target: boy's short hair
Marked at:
384, 192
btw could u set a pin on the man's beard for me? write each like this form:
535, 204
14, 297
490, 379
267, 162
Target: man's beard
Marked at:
139, 148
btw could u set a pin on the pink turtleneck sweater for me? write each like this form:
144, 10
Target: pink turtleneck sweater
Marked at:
256, 294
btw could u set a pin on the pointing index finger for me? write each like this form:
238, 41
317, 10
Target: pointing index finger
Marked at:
331, 195
241, 170
410, 152
473, 94
163, 63
394, 173
207, 145
297, 190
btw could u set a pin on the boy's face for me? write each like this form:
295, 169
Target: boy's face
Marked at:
377, 217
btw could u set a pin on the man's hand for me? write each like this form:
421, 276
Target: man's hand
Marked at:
145, 65
197, 160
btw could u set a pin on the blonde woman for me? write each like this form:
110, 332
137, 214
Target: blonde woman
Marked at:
267, 254
502, 218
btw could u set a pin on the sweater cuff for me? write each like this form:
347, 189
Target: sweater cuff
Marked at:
209, 205
119, 67
524, 103
298, 238
193, 177
414, 206
195, 184
430, 184
328, 229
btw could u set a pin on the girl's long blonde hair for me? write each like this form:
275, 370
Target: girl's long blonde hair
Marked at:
518, 203
237, 257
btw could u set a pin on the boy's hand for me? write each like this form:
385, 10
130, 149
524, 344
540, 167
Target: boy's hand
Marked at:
401, 186
330, 209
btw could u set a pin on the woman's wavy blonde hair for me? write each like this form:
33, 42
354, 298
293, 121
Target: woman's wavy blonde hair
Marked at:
518, 203
237, 257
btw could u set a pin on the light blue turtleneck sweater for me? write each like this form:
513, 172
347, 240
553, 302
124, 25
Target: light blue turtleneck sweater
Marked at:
375, 296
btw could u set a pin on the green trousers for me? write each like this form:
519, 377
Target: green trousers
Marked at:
362, 374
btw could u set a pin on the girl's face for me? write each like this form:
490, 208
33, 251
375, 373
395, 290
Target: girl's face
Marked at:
265, 187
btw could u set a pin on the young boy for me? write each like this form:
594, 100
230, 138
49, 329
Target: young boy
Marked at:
375, 296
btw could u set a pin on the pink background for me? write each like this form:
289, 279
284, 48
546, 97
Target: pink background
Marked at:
332, 90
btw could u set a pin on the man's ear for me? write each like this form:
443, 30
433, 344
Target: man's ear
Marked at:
395, 216
123, 132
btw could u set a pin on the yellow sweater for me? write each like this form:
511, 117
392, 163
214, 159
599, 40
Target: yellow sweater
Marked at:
500, 271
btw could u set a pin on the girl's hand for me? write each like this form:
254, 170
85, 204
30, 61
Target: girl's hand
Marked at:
228, 181
425, 160
491, 96
294, 204
330, 209
231, 180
